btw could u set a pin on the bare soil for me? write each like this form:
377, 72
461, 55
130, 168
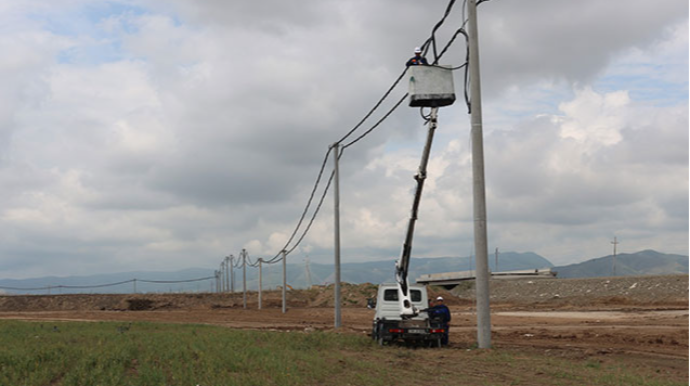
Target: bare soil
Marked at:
639, 322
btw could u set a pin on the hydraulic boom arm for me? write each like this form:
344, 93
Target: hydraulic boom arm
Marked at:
407, 310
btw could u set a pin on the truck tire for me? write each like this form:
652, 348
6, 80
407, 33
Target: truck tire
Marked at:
381, 341
435, 343
379, 336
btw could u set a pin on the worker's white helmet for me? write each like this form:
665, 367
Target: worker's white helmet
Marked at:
439, 298
417, 50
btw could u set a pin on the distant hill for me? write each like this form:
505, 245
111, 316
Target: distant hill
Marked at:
363, 272
102, 283
646, 262
640, 263
384, 271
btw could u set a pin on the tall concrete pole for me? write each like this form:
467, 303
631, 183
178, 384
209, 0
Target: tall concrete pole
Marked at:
306, 262
222, 276
496, 267
232, 274
244, 278
336, 217
260, 280
479, 190
284, 279
228, 267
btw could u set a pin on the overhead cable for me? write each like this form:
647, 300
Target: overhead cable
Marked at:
306, 208
87, 286
430, 42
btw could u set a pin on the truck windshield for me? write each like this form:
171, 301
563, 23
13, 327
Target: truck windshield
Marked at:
391, 295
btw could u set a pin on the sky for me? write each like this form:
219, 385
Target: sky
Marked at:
163, 135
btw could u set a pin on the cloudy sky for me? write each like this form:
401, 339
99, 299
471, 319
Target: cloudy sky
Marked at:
161, 135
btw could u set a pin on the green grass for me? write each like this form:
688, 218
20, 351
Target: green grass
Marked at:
103, 354
164, 354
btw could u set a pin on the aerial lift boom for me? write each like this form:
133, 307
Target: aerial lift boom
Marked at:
407, 310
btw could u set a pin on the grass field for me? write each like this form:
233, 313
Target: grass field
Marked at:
106, 353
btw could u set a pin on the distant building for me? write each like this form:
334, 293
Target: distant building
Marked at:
451, 279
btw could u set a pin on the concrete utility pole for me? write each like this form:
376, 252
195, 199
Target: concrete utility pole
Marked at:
284, 279
232, 274
228, 267
336, 218
615, 243
479, 190
306, 262
496, 267
244, 277
222, 276
260, 280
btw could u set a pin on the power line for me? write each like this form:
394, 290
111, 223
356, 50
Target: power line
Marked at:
66, 286
376, 124
430, 42
175, 281
316, 211
306, 208
104, 285
384, 97
432, 39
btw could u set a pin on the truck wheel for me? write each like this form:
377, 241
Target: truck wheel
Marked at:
379, 337
377, 334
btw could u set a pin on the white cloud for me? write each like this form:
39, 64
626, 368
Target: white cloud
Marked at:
594, 118
152, 134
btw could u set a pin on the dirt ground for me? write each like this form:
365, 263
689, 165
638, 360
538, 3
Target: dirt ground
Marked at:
640, 327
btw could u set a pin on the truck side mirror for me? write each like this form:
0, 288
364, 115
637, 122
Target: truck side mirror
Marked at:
371, 303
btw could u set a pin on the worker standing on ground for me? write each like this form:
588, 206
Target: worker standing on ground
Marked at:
440, 311
417, 59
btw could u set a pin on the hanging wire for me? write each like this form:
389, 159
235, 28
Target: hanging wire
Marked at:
429, 43
88, 286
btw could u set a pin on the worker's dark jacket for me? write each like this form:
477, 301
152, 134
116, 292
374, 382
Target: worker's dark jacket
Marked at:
417, 61
441, 312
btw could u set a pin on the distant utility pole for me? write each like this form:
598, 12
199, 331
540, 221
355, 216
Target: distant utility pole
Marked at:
228, 267
479, 190
336, 218
496, 266
306, 262
260, 280
232, 274
615, 243
284, 279
244, 277
222, 276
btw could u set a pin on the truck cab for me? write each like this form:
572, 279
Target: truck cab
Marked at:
389, 326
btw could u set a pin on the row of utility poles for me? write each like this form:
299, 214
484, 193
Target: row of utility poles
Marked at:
225, 277
479, 208
480, 231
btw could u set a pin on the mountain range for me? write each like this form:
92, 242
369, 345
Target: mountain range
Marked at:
646, 262
301, 275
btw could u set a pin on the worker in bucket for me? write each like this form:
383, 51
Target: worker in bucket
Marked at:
417, 59
440, 311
